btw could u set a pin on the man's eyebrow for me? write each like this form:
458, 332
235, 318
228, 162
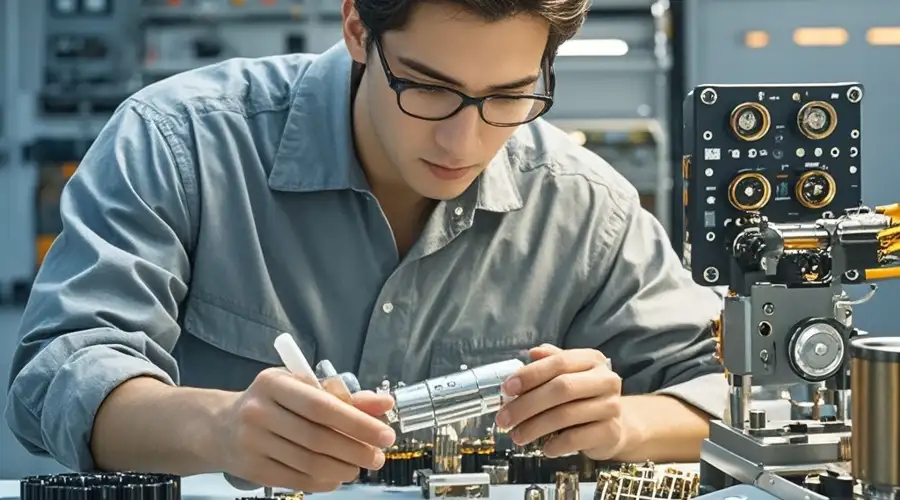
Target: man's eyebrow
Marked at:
430, 72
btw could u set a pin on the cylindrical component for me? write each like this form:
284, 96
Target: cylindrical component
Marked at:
749, 191
534, 492
817, 120
567, 486
875, 385
815, 189
750, 121
757, 419
452, 398
447, 451
125, 486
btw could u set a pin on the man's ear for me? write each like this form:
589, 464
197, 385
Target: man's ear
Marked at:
354, 31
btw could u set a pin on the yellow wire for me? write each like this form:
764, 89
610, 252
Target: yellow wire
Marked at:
893, 248
891, 210
883, 273
889, 232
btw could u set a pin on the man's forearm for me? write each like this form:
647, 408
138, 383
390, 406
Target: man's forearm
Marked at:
662, 429
149, 426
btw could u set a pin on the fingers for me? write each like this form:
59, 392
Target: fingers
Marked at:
372, 403
543, 370
561, 390
542, 351
323, 468
601, 435
563, 417
327, 410
320, 439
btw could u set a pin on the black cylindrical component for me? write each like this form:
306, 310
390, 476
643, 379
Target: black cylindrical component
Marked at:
468, 458
875, 385
836, 487
757, 419
107, 486
517, 469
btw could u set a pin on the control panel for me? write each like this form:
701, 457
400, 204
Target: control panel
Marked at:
788, 152
88, 57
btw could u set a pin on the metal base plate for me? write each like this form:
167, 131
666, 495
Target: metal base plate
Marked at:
765, 458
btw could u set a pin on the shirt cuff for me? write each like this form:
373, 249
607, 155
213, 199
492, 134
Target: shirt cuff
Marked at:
708, 393
76, 393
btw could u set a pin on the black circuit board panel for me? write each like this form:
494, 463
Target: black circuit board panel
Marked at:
789, 152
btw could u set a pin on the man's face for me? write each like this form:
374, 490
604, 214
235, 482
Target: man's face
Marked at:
442, 45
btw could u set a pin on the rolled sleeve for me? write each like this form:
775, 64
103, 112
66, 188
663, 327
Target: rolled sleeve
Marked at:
648, 316
104, 305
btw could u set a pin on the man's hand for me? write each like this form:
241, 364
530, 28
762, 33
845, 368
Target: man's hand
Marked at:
284, 432
572, 393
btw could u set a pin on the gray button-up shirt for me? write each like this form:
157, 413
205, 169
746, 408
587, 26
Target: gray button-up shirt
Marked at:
225, 205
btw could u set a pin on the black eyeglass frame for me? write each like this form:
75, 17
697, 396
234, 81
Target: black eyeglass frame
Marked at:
398, 85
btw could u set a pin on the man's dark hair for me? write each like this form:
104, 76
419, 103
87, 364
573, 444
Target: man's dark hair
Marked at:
565, 17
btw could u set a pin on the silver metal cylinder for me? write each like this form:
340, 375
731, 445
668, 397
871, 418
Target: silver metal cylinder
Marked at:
875, 385
452, 398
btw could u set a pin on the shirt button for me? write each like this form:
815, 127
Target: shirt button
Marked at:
458, 211
387, 307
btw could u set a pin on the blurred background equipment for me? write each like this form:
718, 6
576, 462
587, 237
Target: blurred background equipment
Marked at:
65, 65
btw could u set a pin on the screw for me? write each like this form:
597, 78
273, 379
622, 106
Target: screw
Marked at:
764, 356
708, 96
769, 308
820, 349
854, 94
711, 274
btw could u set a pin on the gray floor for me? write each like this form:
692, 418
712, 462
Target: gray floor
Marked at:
15, 462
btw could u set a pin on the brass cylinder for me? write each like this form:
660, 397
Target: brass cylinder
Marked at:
875, 389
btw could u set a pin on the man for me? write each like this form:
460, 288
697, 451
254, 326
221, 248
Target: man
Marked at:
400, 220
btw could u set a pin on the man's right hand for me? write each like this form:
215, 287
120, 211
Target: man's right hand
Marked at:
285, 432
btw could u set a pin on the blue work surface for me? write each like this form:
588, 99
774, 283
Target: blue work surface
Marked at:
214, 487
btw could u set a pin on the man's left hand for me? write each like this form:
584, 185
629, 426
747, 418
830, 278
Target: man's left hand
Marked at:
572, 393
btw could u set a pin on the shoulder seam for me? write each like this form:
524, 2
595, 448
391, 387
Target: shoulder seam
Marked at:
181, 153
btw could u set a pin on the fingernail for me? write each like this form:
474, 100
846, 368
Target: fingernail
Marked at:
516, 437
379, 460
512, 386
386, 438
503, 419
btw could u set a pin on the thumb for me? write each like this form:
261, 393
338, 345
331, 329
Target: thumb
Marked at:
372, 403
542, 351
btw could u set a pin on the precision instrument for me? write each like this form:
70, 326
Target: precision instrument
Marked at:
773, 211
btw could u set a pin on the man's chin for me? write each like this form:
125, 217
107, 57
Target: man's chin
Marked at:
443, 191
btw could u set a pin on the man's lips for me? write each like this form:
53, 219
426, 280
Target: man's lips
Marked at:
447, 167
446, 173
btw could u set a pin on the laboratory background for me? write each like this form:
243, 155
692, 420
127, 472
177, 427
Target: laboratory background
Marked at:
65, 65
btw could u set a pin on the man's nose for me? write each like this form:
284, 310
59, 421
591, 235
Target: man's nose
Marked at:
459, 133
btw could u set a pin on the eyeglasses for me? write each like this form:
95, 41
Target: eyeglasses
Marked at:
435, 102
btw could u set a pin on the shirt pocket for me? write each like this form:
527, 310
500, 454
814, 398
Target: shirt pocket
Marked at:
449, 354
240, 333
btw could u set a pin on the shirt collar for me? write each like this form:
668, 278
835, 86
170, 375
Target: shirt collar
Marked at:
316, 152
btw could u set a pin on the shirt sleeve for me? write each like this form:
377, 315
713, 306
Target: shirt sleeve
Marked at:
648, 316
105, 302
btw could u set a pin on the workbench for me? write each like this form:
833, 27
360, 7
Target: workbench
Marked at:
214, 487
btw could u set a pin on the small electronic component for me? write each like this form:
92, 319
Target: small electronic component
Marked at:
567, 486
121, 486
456, 486
646, 481
535, 492
499, 474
